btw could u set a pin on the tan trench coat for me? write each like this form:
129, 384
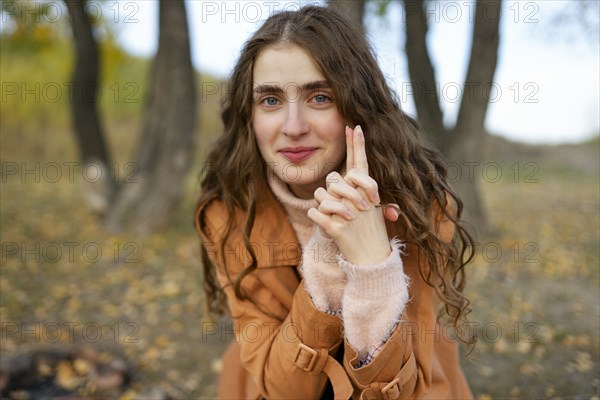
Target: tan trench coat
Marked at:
287, 349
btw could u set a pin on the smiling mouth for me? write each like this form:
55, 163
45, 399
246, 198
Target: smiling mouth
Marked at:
297, 155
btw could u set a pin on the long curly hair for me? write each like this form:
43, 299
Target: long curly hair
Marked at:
408, 172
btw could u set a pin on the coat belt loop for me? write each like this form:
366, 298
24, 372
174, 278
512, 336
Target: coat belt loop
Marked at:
315, 362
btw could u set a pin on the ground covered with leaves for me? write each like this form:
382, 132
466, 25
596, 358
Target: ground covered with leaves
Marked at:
67, 283
534, 285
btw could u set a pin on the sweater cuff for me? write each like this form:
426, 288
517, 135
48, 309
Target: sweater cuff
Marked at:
374, 299
377, 281
323, 278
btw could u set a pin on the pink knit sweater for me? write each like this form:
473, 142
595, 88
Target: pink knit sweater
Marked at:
369, 298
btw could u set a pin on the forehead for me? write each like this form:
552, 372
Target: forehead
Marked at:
284, 65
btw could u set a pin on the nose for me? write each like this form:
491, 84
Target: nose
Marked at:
295, 125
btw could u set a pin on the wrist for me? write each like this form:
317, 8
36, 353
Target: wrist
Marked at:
359, 254
378, 280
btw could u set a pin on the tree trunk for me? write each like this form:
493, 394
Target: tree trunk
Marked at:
482, 65
354, 10
86, 122
462, 144
422, 75
164, 155
468, 136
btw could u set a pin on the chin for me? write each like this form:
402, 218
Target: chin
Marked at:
297, 182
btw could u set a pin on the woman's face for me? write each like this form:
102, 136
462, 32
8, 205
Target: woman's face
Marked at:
299, 131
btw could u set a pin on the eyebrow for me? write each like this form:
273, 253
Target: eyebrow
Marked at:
270, 88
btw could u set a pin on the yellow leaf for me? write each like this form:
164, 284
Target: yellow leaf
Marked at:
65, 376
162, 341
82, 367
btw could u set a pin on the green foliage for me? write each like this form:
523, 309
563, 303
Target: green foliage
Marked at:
37, 57
29, 26
36, 62
382, 6
36, 85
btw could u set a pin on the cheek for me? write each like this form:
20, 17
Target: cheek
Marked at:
264, 124
262, 131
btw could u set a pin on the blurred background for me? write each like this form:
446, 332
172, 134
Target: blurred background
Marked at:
108, 111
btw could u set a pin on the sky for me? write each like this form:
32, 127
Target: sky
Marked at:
546, 88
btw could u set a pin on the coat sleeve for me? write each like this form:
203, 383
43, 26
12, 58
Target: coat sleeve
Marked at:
288, 347
403, 367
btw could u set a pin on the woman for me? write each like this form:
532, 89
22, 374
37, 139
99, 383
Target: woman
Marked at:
328, 299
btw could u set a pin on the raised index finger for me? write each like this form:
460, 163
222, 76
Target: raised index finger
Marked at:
349, 148
360, 154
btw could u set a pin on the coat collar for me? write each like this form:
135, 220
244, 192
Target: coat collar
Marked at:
273, 237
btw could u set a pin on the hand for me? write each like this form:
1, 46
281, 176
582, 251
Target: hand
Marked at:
391, 211
347, 209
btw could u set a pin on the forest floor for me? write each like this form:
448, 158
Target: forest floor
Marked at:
534, 285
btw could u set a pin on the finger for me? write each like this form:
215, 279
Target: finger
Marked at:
322, 220
363, 181
349, 148
391, 211
332, 207
338, 187
359, 152
321, 194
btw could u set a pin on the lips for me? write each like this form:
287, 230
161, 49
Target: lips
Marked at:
297, 154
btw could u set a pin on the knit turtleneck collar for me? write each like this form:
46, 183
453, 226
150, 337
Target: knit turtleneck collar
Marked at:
295, 207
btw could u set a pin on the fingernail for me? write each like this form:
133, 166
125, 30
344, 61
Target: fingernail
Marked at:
397, 214
364, 205
377, 198
349, 214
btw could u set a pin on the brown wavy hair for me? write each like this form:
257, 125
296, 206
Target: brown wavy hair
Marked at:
408, 172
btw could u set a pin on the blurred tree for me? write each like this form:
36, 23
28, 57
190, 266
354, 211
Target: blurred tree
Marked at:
84, 91
462, 143
34, 33
351, 9
148, 198
167, 141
